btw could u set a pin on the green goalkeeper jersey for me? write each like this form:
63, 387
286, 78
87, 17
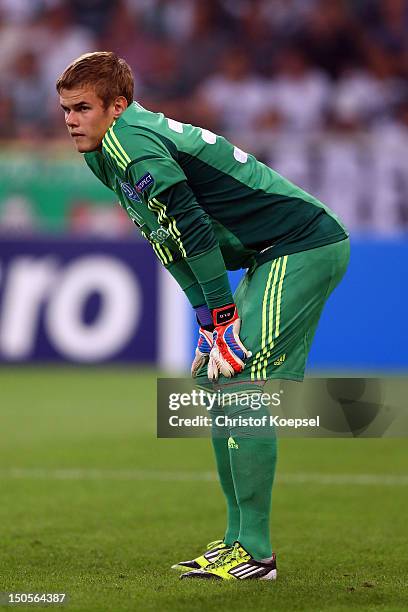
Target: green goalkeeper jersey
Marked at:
204, 204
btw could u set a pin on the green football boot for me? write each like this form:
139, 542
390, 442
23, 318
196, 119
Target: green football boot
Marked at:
236, 564
214, 550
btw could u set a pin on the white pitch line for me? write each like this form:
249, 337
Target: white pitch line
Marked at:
178, 476
341, 479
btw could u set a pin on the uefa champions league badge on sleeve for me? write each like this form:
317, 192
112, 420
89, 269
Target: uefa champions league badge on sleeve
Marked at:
144, 183
129, 191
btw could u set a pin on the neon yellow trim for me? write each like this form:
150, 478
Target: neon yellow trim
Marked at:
115, 151
162, 252
279, 299
264, 321
173, 229
111, 153
265, 300
161, 213
271, 310
271, 303
158, 250
266, 359
169, 253
277, 319
121, 149
263, 359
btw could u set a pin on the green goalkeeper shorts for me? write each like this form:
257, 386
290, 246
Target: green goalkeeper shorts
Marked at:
280, 303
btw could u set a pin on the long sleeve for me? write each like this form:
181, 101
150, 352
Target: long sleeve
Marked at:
184, 276
149, 163
191, 229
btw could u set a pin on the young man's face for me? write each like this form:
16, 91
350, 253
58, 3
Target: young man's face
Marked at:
86, 117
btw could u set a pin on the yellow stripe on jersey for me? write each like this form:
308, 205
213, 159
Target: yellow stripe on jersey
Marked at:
161, 253
119, 158
121, 150
112, 154
173, 229
161, 212
168, 253
157, 250
161, 250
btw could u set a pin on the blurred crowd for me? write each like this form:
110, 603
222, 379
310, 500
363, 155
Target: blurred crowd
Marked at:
290, 68
290, 65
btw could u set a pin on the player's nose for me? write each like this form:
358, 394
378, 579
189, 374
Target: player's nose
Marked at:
71, 119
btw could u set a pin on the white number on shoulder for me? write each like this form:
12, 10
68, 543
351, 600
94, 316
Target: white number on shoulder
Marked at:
208, 137
176, 126
240, 155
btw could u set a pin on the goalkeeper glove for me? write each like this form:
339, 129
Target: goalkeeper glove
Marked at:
202, 352
228, 354
205, 339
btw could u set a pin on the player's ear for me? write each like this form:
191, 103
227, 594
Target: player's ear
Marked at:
120, 104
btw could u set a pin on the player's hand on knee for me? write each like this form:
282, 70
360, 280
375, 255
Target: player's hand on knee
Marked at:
228, 354
202, 352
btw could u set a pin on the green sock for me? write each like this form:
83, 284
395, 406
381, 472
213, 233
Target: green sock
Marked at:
222, 457
253, 467
253, 462
220, 435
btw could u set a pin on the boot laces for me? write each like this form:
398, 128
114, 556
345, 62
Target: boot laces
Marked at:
227, 556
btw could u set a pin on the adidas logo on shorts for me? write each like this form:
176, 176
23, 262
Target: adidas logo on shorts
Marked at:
232, 443
280, 360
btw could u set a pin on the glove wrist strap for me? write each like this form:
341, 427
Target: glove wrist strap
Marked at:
224, 315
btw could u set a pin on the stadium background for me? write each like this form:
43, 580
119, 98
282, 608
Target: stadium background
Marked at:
316, 88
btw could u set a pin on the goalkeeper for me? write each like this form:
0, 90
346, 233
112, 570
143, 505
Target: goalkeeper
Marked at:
207, 207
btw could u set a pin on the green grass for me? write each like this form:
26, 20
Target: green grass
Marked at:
92, 504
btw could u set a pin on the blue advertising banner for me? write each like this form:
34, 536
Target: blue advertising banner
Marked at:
78, 301
364, 326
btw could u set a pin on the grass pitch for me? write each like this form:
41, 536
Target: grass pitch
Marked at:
93, 505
